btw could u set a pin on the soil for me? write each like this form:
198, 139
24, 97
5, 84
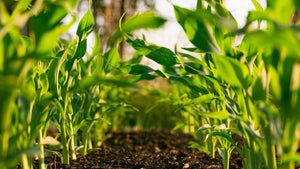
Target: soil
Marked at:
146, 149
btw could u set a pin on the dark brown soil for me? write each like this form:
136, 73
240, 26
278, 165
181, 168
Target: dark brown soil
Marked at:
146, 149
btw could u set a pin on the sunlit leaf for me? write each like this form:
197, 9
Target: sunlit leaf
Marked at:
277, 39
197, 29
216, 115
139, 21
85, 25
257, 5
281, 11
232, 71
200, 100
45, 28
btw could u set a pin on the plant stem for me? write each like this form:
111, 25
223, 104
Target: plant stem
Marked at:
226, 159
6, 102
270, 146
72, 143
63, 134
64, 141
85, 143
25, 164
211, 146
42, 155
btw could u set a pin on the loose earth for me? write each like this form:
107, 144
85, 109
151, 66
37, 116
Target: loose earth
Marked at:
146, 149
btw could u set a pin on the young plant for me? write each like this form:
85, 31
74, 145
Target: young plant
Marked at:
227, 144
19, 85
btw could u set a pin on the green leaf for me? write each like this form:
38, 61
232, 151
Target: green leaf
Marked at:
45, 28
145, 20
232, 71
258, 91
94, 80
160, 55
281, 10
104, 121
257, 5
139, 21
221, 115
193, 67
85, 25
137, 69
111, 59
22, 5
2, 54
277, 39
28, 91
294, 157
197, 28
200, 100
204, 128
81, 49
97, 46
228, 137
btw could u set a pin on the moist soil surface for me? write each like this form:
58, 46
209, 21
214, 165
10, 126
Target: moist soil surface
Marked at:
146, 149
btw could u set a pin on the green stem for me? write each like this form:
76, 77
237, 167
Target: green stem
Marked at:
226, 160
200, 4
25, 164
6, 104
42, 155
270, 156
64, 141
72, 143
85, 143
63, 134
289, 141
211, 146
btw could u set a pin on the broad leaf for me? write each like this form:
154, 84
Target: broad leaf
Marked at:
45, 28
221, 115
258, 91
138, 21
198, 29
111, 59
136, 69
85, 27
94, 80
232, 71
281, 11
160, 55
